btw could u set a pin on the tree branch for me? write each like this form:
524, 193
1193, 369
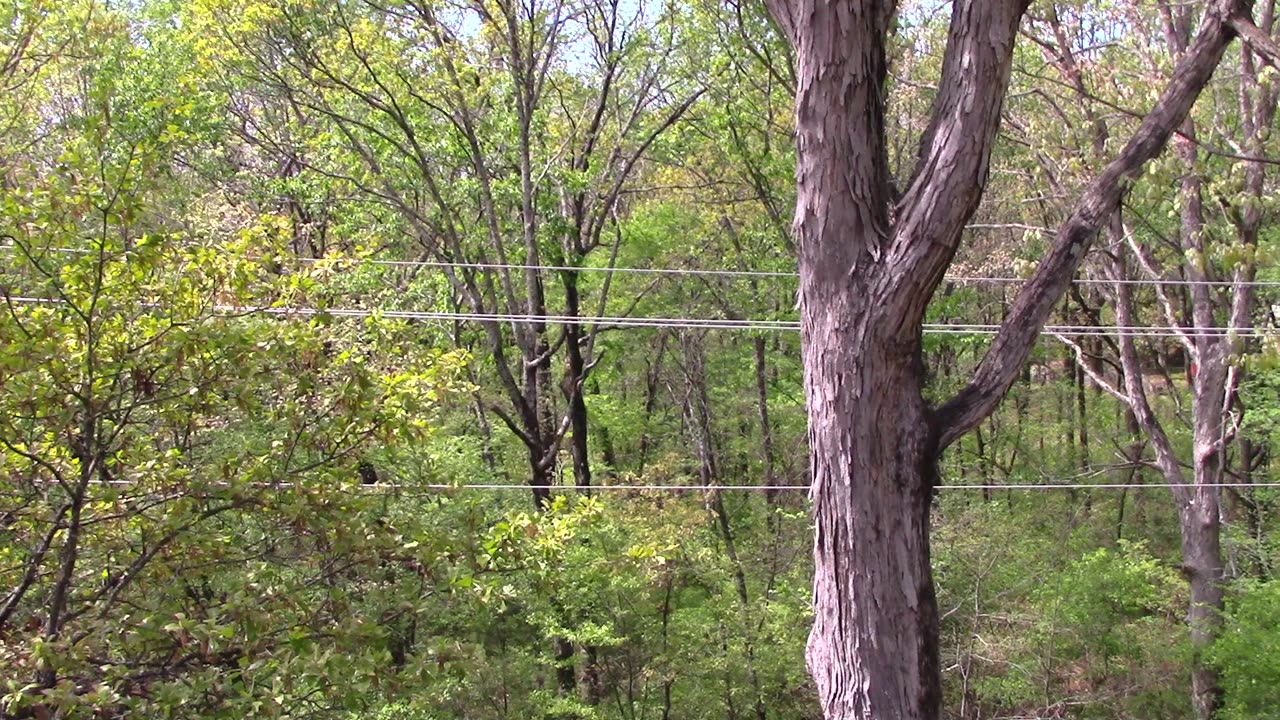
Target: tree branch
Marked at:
1008, 351
1257, 39
955, 150
1095, 376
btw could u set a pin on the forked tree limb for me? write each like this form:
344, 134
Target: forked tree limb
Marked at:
950, 176
1257, 39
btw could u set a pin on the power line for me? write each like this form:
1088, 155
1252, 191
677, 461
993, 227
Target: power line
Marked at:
691, 323
713, 272
572, 268
967, 279
460, 265
793, 488
401, 487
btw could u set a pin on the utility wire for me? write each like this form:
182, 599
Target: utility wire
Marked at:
793, 488
400, 487
968, 279
691, 323
700, 272
571, 268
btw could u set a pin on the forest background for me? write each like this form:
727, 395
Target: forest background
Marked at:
282, 276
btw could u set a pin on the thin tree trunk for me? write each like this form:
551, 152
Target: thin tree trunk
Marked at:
486, 434
575, 385
766, 429
698, 407
86, 451
1082, 423
669, 678
607, 452
1198, 502
1252, 456
984, 467
1133, 457
566, 677
1199, 510
652, 377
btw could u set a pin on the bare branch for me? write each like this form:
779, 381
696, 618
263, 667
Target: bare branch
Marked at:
1257, 39
1094, 375
1004, 358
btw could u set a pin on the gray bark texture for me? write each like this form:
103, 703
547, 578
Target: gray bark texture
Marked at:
870, 260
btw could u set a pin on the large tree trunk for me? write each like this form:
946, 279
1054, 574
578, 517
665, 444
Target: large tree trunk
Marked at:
869, 262
870, 259
874, 647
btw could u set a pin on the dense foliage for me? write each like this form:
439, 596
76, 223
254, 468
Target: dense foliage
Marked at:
282, 277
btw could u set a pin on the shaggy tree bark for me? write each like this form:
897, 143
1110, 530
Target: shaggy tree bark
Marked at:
869, 262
